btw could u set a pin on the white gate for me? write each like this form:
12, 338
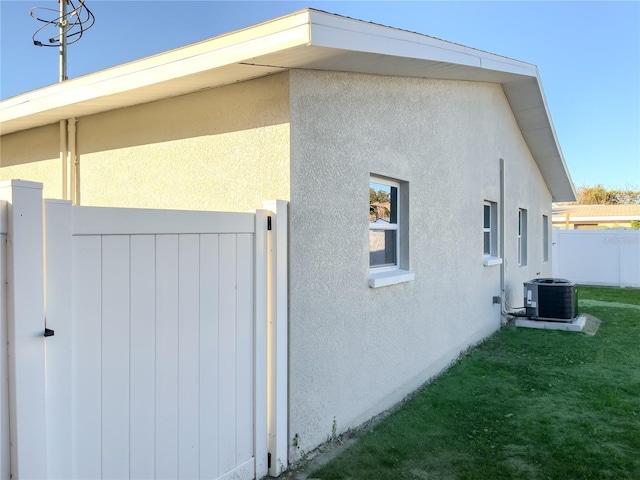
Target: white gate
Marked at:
156, 359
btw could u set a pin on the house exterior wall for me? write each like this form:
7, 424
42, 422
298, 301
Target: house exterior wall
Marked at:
355, 351
220, 149
33, 155
314, 138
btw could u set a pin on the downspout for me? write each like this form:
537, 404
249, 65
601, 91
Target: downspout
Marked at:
64, 153
503, 265
74, 163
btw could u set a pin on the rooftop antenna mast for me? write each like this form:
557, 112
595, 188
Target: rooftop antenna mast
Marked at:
70, 20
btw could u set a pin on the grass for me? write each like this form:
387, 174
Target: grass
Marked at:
526, 404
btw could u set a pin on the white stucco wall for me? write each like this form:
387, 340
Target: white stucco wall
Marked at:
355, 351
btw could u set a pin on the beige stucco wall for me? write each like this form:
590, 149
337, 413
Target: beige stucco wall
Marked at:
219, 149
33, 155
355, 351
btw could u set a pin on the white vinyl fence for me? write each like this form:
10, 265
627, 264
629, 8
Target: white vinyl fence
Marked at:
597, 257
141, 343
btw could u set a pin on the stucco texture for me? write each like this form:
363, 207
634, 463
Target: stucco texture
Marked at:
314, 138
33, 155
355, 351
219, 149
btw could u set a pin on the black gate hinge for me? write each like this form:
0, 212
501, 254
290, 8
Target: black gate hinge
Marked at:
269, 222
48, 332
268, 454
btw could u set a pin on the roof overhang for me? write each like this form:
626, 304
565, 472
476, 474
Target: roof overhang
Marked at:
308, 39
610, 218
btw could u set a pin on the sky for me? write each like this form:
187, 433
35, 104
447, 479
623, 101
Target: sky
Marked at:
587, 53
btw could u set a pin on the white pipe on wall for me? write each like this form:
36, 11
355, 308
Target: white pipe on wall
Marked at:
503, 265
64, 153
73, 161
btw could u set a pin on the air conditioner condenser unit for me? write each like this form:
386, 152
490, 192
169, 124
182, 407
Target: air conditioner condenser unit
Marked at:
554, 299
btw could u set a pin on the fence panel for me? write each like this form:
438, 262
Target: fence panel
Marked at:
133, 343
597, 257
162, 344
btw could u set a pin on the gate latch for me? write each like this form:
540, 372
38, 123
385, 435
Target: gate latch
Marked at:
48, 332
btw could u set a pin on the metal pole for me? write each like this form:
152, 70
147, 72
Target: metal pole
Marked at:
63, 40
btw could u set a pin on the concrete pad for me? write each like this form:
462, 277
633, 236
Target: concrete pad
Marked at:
574, 326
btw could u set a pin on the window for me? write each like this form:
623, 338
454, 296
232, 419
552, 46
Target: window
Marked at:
383, 223
545, 238
490, 234
388, 232
522, 237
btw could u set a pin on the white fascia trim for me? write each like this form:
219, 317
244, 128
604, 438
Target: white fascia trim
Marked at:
390, 277
334, 31
490, 261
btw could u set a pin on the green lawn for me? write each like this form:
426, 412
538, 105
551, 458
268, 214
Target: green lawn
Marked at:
527, 404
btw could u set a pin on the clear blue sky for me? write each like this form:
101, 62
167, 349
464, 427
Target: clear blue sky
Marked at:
588, 55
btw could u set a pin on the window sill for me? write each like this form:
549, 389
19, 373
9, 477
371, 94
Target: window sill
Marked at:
390, 277
489, 261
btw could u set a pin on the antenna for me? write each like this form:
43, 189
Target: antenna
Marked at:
62, 28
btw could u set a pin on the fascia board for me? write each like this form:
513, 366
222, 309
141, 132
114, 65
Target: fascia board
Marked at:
531, 111
341, 33
567, 196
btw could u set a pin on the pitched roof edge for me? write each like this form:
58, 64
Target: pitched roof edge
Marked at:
304, 39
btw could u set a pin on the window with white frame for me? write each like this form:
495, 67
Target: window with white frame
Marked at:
384, 223
545, 238
522, 237
388, 232
489, 229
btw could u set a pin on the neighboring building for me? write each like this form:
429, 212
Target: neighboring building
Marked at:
595, 217
312, 108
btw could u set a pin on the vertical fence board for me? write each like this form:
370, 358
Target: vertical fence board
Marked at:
244, 347
208, 343
630, 258
278, 336
227, 346
58, 301
86, 355
260, 344
115, 356
25, 328
143, 328
167, 356
188, 365
5, 452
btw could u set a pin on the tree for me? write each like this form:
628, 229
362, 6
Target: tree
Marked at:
598, 195
379, 196
379, 202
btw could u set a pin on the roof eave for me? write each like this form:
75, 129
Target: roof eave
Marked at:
211, 63
307, 39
